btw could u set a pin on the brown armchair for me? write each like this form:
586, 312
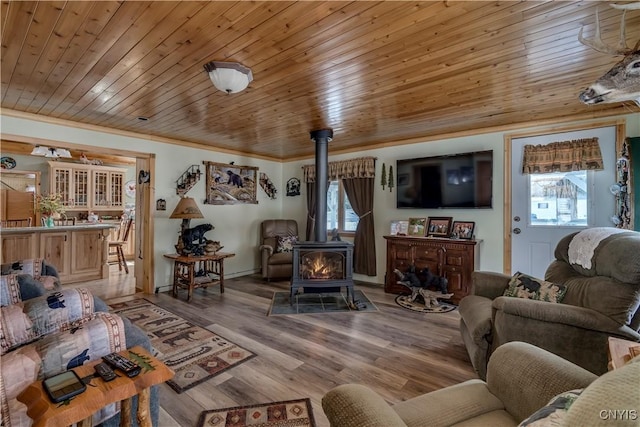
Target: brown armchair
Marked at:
601, 300
276, 264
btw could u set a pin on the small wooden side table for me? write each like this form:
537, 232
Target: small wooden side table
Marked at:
202, 271
621, 351
81, 408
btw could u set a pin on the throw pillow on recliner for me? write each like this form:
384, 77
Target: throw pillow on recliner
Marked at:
285, 243
524, 286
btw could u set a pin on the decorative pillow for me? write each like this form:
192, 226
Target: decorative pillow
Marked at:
524, 286
15, 288
15, 327
285, 243
554, 413
26, 266
9, 290
57, 311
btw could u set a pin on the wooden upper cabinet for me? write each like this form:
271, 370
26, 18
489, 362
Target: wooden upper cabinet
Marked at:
88, 187
108, 189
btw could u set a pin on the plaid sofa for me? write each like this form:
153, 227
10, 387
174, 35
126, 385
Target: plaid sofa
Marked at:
46, 329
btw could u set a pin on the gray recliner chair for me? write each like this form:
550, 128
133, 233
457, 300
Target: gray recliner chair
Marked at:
601, 300
276, 264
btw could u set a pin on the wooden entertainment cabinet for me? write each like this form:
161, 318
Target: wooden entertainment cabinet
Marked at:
454, 259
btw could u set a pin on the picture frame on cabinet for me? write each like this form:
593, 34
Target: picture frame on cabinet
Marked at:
462, 230
439, 226
417, 226
399, 228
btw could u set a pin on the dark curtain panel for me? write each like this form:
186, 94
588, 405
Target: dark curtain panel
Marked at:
360, 193
311, 211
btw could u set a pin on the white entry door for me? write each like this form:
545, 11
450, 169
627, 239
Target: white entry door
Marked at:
546, 207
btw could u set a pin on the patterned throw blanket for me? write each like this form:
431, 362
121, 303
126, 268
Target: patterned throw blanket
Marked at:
584, 244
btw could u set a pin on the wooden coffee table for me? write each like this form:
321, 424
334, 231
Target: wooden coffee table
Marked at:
82, 407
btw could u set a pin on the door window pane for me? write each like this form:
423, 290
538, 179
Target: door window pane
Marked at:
559, 198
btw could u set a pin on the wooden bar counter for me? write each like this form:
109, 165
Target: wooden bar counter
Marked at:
79, 252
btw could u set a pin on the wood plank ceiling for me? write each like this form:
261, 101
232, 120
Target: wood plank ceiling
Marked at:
375, 72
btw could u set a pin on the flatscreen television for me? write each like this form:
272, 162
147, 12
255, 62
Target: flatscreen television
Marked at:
461, 180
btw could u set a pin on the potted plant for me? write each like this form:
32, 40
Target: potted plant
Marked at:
50, 206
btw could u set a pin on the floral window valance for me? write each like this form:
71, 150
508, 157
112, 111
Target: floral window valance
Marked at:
362, 167
566, 156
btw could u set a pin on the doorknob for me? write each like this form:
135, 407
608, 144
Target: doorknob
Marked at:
516, 218
516, 230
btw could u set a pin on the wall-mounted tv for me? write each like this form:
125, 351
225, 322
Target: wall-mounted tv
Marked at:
453, 181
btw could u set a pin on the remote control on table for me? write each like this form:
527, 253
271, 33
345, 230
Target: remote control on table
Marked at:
105, 372
118, 361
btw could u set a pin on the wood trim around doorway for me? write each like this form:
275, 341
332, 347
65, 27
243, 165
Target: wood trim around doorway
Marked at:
144, 265
507, 212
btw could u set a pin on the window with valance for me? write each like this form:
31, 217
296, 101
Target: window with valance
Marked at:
357, 176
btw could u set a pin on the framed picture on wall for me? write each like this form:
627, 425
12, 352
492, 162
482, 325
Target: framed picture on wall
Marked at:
229, 184
438, 226
462, 230
417, 226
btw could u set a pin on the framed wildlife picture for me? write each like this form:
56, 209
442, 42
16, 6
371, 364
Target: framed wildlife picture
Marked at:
229, 184
417, 226
462, 230
438, 226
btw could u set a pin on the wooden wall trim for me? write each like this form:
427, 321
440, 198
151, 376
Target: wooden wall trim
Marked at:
385, 144
129, 134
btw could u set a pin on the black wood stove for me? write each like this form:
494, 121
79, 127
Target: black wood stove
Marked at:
320, 264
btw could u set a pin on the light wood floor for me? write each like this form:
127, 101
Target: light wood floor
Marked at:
398, 353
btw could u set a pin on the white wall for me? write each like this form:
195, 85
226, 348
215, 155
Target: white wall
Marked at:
489, 222
237, 226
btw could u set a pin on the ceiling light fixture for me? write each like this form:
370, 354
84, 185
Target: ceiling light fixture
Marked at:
51, 152
229, 77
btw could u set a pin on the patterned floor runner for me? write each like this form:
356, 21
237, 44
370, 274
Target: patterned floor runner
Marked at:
291, 413
194, 353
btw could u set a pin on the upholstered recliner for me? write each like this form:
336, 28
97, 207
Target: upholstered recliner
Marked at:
600, 268
277, 262
521, 380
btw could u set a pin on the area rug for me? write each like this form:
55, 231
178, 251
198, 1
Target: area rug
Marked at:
290, 413
309, 303
418, 305
194, 353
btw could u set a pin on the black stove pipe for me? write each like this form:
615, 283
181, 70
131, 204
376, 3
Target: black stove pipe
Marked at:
321, 137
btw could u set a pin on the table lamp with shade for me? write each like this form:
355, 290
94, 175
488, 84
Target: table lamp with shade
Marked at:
186, 209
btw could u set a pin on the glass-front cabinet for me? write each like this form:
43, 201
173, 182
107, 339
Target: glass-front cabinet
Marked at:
108, 189
88, 187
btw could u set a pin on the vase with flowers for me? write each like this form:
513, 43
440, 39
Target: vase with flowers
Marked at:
50, 206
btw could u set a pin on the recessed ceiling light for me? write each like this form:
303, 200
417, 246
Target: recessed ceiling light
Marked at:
143, 119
